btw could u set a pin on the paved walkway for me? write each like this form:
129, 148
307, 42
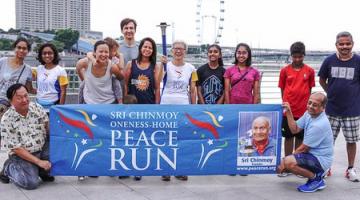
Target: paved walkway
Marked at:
198, 187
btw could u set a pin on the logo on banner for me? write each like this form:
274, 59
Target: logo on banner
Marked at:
213, 144
84, 144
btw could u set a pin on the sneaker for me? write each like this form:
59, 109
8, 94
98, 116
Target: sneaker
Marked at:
300, 176
312, 185
351, 175
284, 174
81, 178
123, 177
137, 178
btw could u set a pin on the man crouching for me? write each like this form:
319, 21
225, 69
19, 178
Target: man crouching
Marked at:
24, 132
314, 156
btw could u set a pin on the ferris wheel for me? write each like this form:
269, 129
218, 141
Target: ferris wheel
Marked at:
200, 21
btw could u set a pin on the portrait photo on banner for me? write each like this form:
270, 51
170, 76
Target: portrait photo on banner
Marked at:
258, 138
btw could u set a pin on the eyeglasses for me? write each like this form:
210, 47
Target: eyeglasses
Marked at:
178, 49
241, 52
47, 53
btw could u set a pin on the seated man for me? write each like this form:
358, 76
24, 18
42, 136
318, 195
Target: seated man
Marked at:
314, 156
263, 145
24, 130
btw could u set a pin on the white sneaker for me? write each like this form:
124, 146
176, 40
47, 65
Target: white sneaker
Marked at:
284, 174
351, 175
81, 178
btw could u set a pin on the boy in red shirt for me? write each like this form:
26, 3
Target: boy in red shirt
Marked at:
295, 82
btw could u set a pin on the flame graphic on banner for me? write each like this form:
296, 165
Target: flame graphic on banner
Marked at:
209, 127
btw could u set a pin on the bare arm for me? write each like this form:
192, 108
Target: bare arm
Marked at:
29, 86
256, 92
193, 92
221, 99
81, 66
62, 94
117, 72
200, 96
302, 149
24, 154
290, 118
157, 83
323, 84
227, 91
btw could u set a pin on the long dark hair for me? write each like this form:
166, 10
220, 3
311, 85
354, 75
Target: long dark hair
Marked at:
56, 59
220, 60
247, 47
153, 55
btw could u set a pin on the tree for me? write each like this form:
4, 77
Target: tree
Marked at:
50, 31
11, 30
67, 36
37, 47
5, 45
59, 45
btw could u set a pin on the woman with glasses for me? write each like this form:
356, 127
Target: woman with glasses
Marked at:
51, 79
179, 83
242, 82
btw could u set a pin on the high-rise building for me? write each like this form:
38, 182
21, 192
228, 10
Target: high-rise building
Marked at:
53, 14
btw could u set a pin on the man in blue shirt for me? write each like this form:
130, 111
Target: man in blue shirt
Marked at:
340, 78
314, 156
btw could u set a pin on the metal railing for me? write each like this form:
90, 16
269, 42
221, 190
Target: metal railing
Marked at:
270, 92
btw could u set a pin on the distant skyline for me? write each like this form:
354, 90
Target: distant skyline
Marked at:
260, 23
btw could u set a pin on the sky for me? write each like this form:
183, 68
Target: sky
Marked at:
260, 23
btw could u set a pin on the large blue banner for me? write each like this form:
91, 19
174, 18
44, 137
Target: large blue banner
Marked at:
113, 140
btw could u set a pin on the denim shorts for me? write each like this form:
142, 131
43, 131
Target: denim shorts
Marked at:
309, 162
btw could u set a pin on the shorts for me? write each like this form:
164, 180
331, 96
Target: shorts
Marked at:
309, 162
348, 125
286, 133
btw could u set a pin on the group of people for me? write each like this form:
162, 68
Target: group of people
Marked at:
129, 73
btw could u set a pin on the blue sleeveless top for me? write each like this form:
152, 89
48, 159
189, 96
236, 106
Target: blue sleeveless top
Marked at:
142, 83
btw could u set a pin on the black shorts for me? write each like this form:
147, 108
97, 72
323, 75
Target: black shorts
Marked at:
286, 133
